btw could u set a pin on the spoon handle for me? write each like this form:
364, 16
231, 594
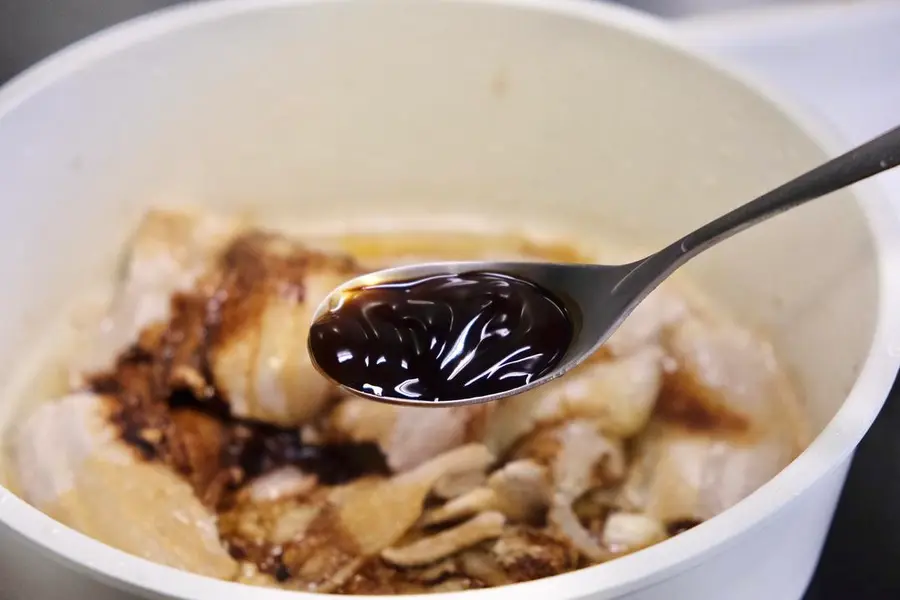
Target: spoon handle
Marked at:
871, 158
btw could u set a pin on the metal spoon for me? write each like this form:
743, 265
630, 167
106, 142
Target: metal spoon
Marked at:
602, 296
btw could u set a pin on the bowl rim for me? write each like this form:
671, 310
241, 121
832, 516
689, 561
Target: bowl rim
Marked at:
825, 454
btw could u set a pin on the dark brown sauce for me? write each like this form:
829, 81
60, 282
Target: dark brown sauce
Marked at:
213, 450
673, 528
190, 428
441, 338
688, 404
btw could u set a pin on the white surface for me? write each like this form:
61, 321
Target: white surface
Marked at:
102, 135
842, 60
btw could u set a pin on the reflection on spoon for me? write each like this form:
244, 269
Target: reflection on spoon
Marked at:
442, 337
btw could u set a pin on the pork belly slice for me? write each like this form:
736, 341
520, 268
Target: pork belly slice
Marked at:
169, 253
684, 475
268, 290
71, 464
617, 395
407, 435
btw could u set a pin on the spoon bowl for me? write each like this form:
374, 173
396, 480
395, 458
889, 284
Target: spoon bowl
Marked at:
575, 286
598, 298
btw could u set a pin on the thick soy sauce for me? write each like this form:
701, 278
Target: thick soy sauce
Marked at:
442, 338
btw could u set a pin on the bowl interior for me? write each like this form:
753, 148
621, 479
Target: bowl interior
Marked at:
389, 111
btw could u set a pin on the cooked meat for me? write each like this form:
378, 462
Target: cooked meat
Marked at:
251, 575
526, 553
522, 490
452, 486
478, 500
728, 379
407, 435
556, 447
285, 482
679, 473
521, 553
378, 516
627, 532
519, 490
430, 549
378, 578
363, 518
575, 469
170, 252
267, 292
511, 420
728, 422
202, 440
190, 430
72, 464
618, 395
360, 420
580, 458
229, 312
291, 525
211, 443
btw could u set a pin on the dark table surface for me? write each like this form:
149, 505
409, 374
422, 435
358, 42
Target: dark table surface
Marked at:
861, 559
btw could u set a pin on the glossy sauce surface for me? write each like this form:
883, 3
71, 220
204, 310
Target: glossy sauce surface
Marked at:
440, 338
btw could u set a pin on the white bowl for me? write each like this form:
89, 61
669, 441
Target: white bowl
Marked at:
569, 114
